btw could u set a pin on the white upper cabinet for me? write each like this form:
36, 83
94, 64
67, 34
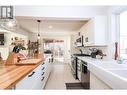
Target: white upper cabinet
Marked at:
94, 31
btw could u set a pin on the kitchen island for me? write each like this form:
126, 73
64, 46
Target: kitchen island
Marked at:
25, 74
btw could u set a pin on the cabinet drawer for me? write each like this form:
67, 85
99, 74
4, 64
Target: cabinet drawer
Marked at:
28, 82
36, 79
31, 80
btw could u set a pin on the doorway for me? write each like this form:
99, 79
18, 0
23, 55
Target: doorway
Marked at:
59, 51
55, 47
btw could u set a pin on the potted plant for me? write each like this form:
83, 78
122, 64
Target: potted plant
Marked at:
23, 49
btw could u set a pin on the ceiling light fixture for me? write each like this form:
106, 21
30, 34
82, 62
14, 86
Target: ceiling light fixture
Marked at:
50, 26
38, 35
7, 20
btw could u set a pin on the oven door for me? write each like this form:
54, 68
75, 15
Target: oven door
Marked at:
85, 75
74, 66
79, 69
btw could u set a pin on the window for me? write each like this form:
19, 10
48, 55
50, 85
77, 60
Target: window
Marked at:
123, 35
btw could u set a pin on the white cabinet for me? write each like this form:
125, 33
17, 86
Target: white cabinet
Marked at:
73, 45
29, 81
96, 83
94, 31
48, 68
37, 78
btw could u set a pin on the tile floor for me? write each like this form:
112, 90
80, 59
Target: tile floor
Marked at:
60, 75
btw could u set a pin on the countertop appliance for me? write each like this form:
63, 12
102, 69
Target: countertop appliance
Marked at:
83, 74
74, 66
79, 41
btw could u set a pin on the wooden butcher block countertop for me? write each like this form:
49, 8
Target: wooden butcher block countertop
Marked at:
13, 73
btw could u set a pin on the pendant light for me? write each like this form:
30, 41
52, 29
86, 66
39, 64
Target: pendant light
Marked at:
38, 35
7, 20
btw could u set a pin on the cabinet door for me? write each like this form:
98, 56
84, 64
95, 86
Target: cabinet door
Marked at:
31, 81
27, 82
42, 76
97, 84
100, 24
94, 31
37, 78
89, 33
43, 80
46, 71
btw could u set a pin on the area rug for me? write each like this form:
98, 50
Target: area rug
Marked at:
77, 86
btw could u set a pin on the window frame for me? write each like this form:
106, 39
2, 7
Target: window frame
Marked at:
117, 25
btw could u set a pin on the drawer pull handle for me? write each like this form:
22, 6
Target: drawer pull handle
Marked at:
43, 73
42, 79
31, 74
43, 68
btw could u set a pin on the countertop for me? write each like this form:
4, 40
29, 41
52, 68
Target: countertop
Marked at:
109, 71
13, 73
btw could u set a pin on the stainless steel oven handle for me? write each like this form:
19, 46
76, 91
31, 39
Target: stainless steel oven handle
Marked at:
84, 65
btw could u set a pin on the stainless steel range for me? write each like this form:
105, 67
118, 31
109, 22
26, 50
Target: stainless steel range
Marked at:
83, 73
74, 66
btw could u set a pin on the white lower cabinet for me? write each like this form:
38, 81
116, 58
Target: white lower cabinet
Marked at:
96, 83
48, 65
30, 81
26, 83
37, 78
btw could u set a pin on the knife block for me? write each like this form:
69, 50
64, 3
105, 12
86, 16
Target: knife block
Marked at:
12, 58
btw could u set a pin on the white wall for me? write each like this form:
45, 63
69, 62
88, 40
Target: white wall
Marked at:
21, 33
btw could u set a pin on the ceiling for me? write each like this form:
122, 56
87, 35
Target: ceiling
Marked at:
56, 25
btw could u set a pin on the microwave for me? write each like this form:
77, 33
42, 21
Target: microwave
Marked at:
79, 41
